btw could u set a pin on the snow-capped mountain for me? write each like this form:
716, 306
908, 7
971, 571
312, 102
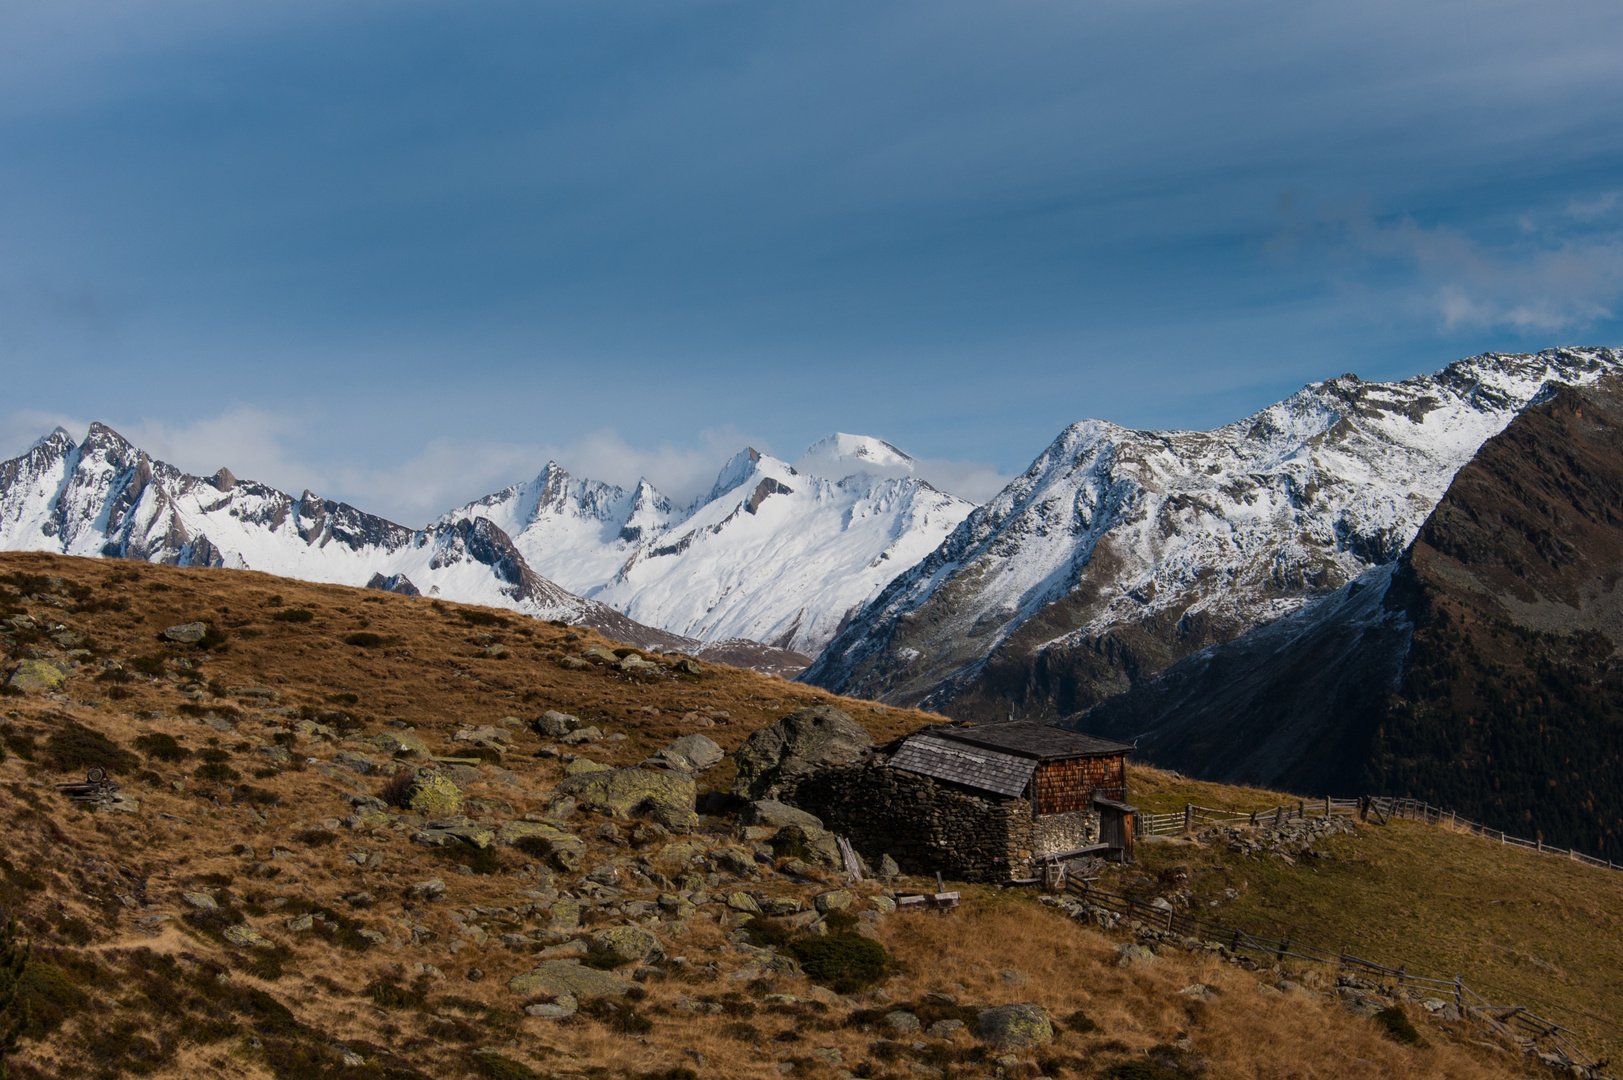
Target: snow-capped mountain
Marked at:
1119, 551
776, 553
106, 498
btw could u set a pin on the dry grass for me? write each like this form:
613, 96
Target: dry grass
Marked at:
80, 880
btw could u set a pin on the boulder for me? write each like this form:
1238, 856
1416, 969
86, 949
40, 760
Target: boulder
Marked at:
455, 830
496, 738
667, 797
743, 901
398, 744
581, 735
185, 633
597, 654
803, 741
359, 764
563, 978
834, 900
1015, 1027
690, 753
771, 812
814, 845
688, 666
627, 945
246, 936
585, 765
202, 901
433, 795
512, 832
553, 724
36, 675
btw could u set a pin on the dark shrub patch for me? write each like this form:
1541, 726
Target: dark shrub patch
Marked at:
21, 745
390, 995
50, 996
479, 860
495, 1067
74, 747
483, 753
161, 747
1081, 1023
767, 932
315, 837
216, 773
620, 1016
247, 793
147, 665
845, 963
450, 1029
214, 755
742, 1032
213, 638
367, 640
345, 699
481, 618
293, 615
1394, 1024
399, 786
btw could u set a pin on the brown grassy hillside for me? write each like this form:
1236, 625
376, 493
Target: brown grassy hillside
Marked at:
132, 976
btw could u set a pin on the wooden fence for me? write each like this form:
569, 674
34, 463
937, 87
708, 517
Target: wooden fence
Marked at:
1385, 807
1469, 1002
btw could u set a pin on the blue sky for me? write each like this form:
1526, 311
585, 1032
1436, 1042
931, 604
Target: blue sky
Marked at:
403, 252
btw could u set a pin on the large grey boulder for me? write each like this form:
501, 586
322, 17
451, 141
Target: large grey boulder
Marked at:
1015, 1027
563, 978
690, 753
667, 797
805, 740
774, 814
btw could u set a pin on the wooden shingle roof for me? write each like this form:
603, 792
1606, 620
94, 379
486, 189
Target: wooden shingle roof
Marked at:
1029, 739
961, 763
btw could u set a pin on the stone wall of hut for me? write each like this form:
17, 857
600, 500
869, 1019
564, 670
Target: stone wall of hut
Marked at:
1074, 829
924, 824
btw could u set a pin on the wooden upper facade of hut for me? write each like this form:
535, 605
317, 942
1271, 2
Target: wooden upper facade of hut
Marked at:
1058, 771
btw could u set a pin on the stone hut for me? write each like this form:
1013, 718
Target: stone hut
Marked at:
980, 803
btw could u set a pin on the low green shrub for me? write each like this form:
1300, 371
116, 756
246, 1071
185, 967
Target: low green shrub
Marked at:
293, 615
845, 963
161, 747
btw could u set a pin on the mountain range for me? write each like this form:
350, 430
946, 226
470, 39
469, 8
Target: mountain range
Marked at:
760, 571
1120, 551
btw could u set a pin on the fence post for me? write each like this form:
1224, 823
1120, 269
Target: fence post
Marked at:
1327, 806
1459, 996
1284, 947
1188, 817
1301, 808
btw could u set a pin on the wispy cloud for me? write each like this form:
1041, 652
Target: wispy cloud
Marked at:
1550, 277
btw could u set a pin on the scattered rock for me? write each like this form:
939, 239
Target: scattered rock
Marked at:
582, 735
247, 937
597, 654
36, 675
1131, 955
691, 753
398, 744
834, 900
356, 763
688, 666
945, 1029
185, 633
453, 830
433, 795
202, 901
585, 765
771, 812
902, 1022
743, 901
552, 724
801, 742
888, 870
432, 889
1015, 1027
628, 945
667, 797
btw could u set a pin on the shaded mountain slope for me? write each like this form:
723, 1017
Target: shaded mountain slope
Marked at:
1507, 705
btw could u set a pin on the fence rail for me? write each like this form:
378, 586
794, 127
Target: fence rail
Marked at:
1386, 807
1467, 1000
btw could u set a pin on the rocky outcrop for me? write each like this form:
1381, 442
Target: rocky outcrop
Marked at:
666, 797
805, 740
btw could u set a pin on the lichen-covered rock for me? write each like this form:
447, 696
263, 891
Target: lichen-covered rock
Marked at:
585, 765
433, 795
565, 915
627, 945
356, 763
692, 753
455, 830
834, 900
743, 901
512, 832
1015, 1027
814, 845
246, 936
36, 675
202, 901
562, 978
803, 741
186, 633
667, 797
598, 654
398, 744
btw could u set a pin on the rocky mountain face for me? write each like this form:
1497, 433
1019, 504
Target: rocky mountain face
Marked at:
1480, 672
106, 498
777, 553
1119, 552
